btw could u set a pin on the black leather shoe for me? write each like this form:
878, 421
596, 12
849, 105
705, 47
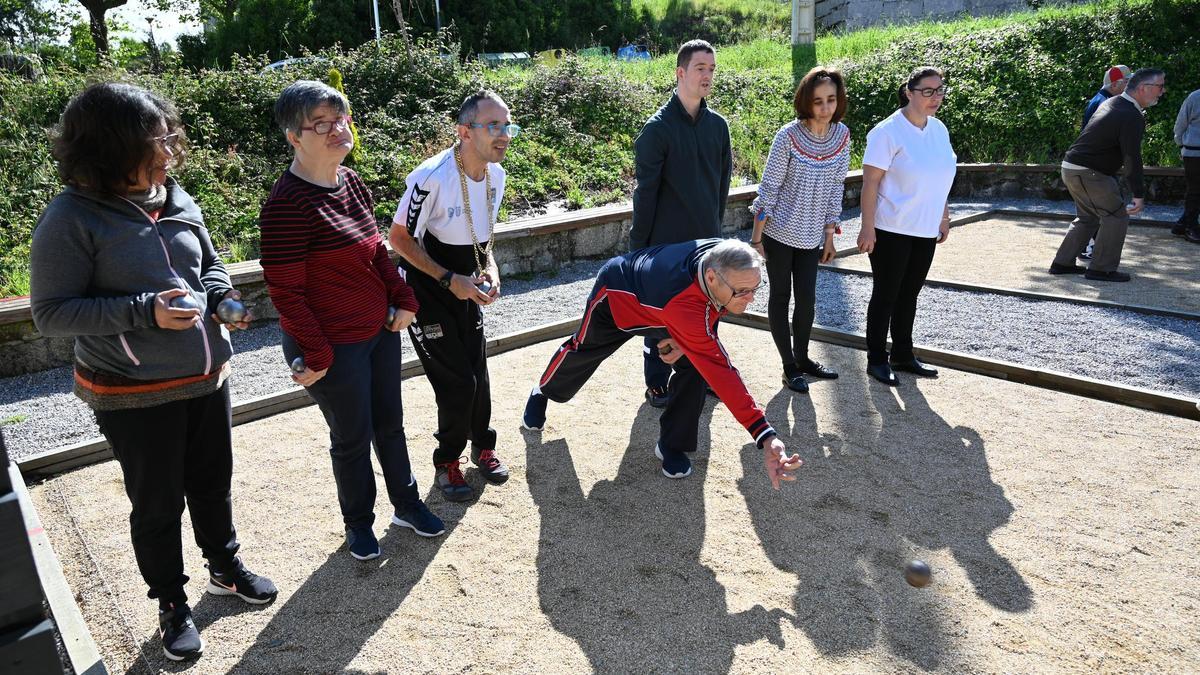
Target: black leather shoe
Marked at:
1106, 276
915, 367
810, 367
1193, 235
657, 397
796, 383
883, 373
1179, 230
1055, 268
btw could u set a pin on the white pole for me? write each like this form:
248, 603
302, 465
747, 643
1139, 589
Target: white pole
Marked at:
437, 14
795, 22
377, 22
803, 22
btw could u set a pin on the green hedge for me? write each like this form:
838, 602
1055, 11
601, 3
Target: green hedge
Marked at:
1018, 93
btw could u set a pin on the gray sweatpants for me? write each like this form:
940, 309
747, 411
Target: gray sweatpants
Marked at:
1099, 214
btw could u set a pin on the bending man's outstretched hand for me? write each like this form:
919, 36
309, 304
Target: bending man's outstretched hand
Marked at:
778, 463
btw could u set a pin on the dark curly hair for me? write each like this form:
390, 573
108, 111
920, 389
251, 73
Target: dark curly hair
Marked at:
107, 135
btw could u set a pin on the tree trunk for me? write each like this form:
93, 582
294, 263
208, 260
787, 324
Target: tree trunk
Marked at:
99, 28
399, 12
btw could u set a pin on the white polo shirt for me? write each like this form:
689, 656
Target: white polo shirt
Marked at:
920, 166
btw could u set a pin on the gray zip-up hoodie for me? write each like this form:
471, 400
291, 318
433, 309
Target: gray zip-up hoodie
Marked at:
1187, 126
96, 264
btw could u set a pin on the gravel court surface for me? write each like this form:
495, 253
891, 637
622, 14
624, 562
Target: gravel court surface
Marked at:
1016, 253
39, 411
1064, 550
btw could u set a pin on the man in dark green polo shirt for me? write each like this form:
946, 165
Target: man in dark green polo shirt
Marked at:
684, 162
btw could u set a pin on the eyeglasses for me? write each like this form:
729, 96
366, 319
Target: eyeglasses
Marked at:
325, 126
495, 129
930, 92
1160, 85
746, 293
169, 142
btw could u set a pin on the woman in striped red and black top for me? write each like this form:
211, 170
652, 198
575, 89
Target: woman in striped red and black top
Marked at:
330, 278
797, 211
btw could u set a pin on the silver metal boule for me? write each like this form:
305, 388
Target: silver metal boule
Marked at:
485, 287
298, 364
391, 316
231, 310
187, 301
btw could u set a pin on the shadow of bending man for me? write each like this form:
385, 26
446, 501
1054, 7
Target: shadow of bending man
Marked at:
866, 505
619, 566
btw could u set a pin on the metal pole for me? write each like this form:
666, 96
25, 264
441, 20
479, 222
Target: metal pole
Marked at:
376, 23
437, 14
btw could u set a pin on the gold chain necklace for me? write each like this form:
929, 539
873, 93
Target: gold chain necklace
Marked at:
482, 253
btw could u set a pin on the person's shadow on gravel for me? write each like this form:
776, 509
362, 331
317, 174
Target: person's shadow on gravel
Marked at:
863, 505
323, 625
619, 566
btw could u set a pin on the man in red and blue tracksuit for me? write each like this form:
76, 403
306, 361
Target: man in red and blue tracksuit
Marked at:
677, 293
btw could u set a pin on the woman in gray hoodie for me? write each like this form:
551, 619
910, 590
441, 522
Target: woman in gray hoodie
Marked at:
122, 262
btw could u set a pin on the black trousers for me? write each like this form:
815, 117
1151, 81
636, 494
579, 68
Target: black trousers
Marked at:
596, 340
791, 271
1191, 199
448, 337
657, 373
899, 265
360, 399
171, 454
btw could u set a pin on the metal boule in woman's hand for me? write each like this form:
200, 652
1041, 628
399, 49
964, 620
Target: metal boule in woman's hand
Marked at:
391, 316
186, 301
231, 310
298, 364
484, 286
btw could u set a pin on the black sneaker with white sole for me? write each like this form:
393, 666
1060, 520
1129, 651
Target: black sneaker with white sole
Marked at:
180, 639
243, 583
419, 519
674, 464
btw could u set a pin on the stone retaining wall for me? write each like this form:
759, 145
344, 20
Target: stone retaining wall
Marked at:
539, 244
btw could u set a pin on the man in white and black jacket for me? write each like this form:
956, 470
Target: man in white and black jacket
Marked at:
1110, 141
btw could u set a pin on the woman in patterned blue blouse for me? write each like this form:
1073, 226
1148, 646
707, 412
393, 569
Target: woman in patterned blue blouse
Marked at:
797, 211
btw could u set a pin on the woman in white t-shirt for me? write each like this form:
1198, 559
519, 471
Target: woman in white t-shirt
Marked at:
908, 168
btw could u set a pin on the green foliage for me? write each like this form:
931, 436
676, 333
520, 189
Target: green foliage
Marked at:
1018, 93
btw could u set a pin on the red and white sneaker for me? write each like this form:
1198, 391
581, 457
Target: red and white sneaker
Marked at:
490, 466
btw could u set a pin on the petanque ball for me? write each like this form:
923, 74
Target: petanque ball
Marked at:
298, 364
230, 310
485, 287
186, 302
918, 574
391, 316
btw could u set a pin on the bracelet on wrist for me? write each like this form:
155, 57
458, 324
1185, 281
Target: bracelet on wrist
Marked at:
755, 243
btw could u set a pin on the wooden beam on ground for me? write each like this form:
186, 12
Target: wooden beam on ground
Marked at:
1033, 295
96, 450
77, 639
1135, 397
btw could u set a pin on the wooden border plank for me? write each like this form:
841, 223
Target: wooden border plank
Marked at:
96, 450
77, 639
1135, 397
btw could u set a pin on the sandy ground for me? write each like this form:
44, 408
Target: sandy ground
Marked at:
1062, 533
1016, 252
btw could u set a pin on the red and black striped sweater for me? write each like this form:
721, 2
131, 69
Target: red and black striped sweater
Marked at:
326, 268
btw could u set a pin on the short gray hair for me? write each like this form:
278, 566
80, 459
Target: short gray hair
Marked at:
299, 99
732, 255
470, 105
1142, 76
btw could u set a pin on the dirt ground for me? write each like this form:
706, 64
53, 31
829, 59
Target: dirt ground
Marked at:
1062, 533
1017, 252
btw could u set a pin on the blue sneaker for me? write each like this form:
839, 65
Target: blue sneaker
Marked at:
535, 412
419, 519
362, 543
676, 466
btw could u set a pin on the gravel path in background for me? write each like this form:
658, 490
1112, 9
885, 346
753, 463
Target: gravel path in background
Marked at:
38, 411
